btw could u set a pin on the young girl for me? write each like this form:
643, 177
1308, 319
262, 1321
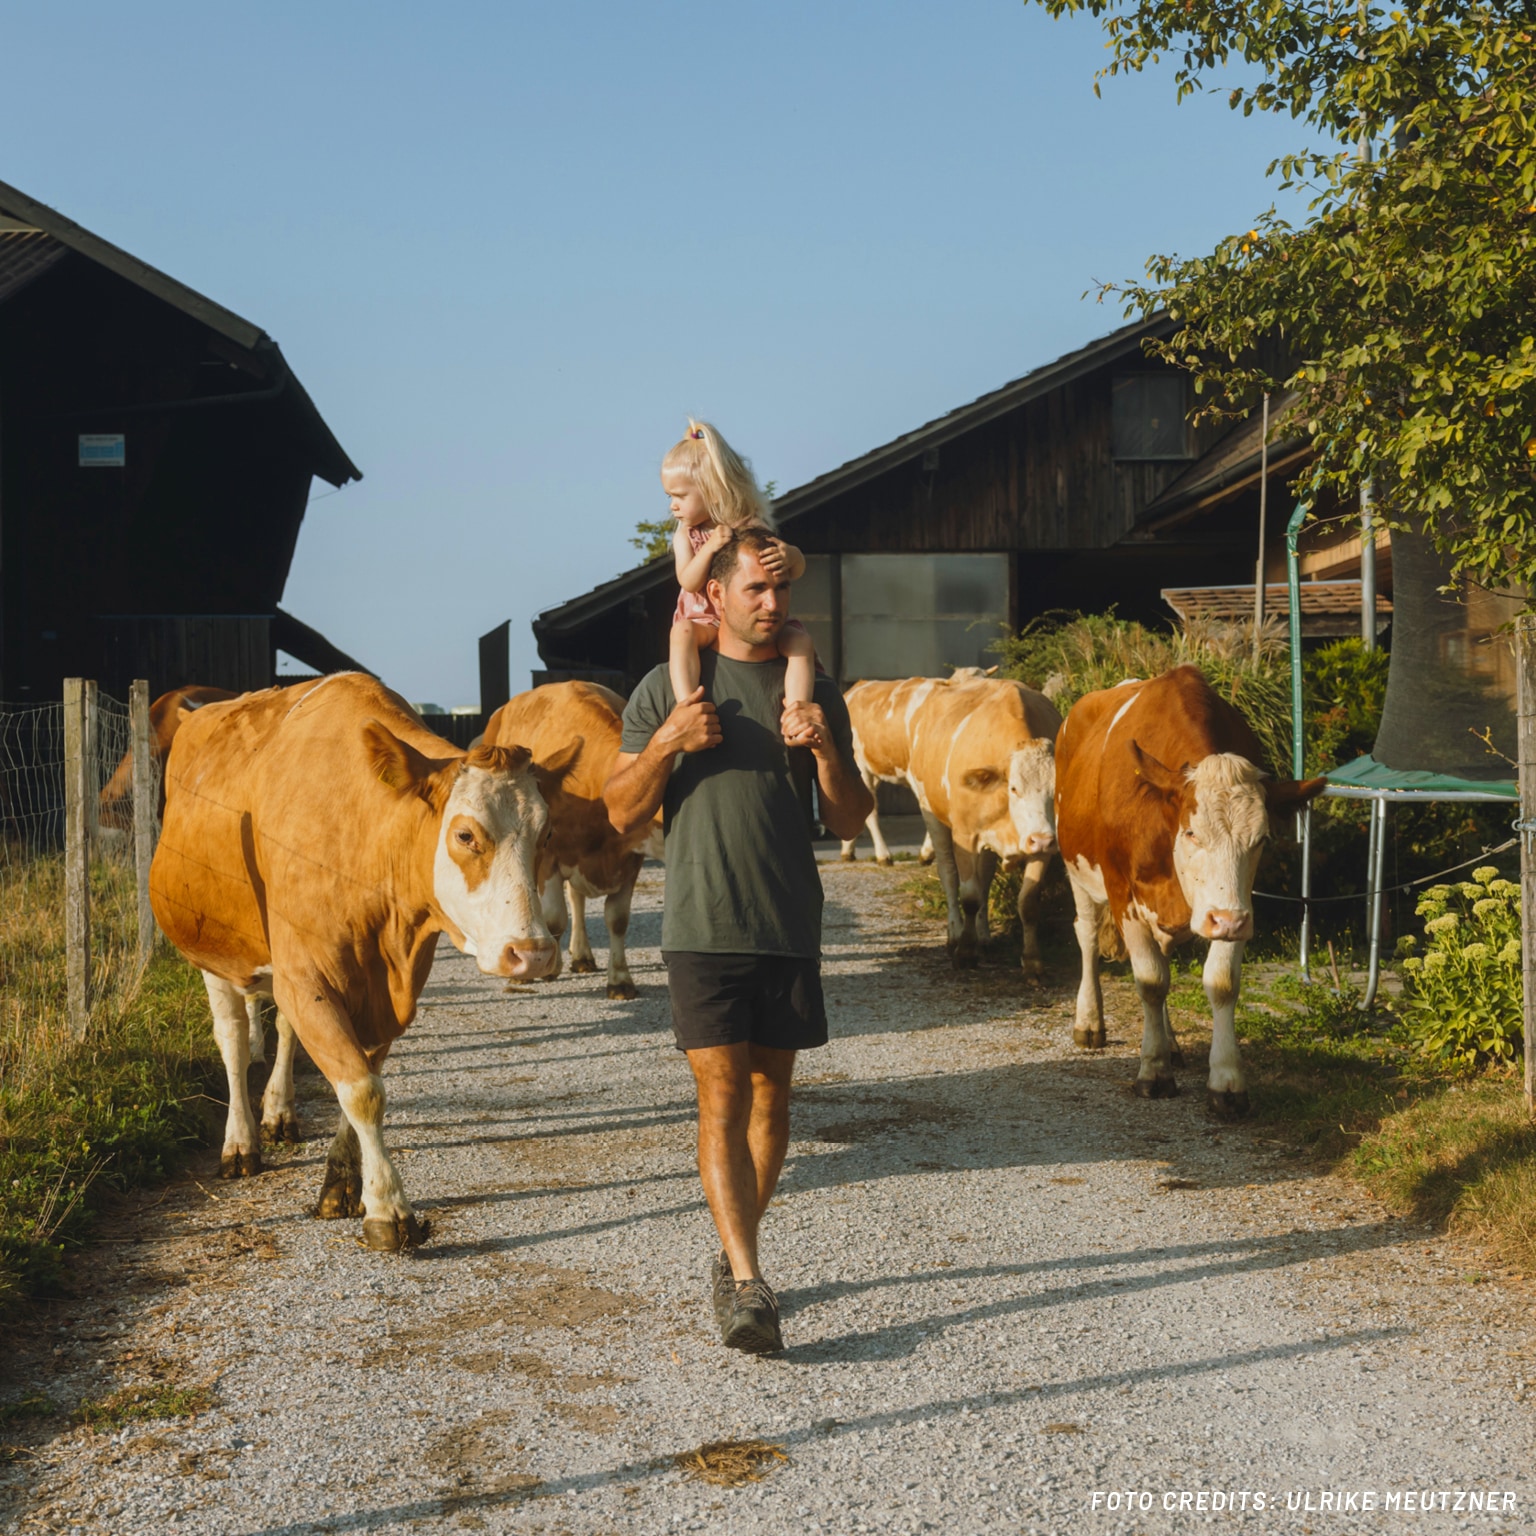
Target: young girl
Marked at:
713, 494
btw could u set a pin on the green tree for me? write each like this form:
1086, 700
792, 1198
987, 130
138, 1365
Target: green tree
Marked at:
1406, 298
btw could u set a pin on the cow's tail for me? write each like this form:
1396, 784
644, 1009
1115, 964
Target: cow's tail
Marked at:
1111, 945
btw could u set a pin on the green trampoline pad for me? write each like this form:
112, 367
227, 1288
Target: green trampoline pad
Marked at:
1367, 774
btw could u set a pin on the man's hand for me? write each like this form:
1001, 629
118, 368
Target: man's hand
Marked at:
693, 725
805, 725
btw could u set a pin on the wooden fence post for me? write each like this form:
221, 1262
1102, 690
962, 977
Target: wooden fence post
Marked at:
1525, 669
144, 810
77, 859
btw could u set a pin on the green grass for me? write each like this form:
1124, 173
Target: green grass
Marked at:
133, 1405
77, 1120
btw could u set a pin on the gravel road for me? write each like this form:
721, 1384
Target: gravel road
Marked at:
1014, 1295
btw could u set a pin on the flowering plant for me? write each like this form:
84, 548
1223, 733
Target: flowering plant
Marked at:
1463, 991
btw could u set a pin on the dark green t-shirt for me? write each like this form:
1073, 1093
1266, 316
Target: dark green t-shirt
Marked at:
741, 872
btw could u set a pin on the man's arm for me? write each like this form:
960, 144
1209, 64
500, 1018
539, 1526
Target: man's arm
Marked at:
639, 779
845, 801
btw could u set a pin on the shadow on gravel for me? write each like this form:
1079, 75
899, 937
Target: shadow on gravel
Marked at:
632, 1472
1222, 1260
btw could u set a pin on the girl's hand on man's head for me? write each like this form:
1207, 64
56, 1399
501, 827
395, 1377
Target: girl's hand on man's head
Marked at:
771, 558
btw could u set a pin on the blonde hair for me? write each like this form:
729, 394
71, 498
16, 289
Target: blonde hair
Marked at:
722, 476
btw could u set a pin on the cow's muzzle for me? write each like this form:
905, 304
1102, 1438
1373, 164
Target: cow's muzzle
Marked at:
527, 959
1227, 924
1039, 844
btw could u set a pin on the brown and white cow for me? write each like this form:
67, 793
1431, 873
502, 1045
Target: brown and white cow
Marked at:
316, 841
573, 731
977, 753
1162, 810
115, 816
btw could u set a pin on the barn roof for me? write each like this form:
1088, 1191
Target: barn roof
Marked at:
33, 237
933, 434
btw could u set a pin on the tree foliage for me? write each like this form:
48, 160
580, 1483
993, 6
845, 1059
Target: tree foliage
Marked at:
1406, 299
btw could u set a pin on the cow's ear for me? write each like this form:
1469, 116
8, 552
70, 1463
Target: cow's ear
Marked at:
980, 778
551, 769
394, 762
1291, 794
1156, 775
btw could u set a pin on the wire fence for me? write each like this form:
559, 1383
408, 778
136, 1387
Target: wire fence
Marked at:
72, 907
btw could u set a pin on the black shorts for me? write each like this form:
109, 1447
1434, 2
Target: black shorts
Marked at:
769, 1000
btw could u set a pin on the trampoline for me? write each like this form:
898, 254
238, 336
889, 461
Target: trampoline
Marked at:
1447, 729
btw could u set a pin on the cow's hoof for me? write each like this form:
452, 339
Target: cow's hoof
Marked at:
582, 966
342, 1196
622, 992
886, 862
849, 857
1227, 1104
1090, 1039
389, 1234
1034, 970
239, 1165
1156, 1088
283, 1127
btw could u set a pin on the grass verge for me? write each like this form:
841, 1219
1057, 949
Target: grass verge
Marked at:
77, 1120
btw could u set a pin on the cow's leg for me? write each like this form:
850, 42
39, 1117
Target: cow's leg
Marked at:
241, 1156
552, 899
949, 878
969, 870
621, 985
925, 854
1227, 1088
1088, 1022
583, 961
357, 1156
872, 822
1031, 881
986, 872
279, 1121
258, 1032
1149, 965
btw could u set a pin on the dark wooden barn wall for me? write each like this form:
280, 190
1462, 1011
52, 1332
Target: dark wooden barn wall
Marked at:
202, 520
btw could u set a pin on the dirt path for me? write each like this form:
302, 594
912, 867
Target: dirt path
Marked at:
1008, 1285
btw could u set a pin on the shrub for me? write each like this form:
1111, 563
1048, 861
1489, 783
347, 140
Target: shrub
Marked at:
1463, 990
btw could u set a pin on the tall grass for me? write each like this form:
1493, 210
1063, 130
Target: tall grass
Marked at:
79, 1118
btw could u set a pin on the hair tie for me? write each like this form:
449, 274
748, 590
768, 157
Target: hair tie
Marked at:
697, 432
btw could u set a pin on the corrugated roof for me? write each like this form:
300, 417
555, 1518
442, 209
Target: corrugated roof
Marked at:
25, 254
942, 429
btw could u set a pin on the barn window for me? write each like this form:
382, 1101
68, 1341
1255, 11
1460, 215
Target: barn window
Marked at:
814, 602
1149, 416
920, 615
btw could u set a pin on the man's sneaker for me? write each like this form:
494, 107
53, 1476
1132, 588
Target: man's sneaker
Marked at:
754, 1320
722, 1286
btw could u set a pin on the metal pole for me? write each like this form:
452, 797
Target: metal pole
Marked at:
1305, 818
1293, 578
77, 861
1258, 583
1375, 878
144, 802
92, 770
1525, 668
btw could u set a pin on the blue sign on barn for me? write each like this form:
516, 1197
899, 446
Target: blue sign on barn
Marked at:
103, 450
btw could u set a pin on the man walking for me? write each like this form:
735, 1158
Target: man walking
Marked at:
741, 932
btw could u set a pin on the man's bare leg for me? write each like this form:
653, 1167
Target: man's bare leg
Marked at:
743, 1137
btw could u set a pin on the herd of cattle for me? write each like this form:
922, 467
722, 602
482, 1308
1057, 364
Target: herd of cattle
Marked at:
318, 838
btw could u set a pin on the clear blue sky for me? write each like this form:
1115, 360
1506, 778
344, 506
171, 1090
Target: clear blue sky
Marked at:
508, 247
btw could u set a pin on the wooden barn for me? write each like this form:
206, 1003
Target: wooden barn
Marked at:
156, 457
1079, 486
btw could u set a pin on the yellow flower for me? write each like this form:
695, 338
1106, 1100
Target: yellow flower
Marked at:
1445, 923
1485, 873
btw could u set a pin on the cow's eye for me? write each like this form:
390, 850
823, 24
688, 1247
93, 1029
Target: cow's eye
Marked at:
466, 839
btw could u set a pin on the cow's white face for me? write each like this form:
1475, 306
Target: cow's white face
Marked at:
1223, 824
1032, 798
493, 822
1012, 806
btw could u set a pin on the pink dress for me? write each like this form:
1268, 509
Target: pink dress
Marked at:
694, 605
